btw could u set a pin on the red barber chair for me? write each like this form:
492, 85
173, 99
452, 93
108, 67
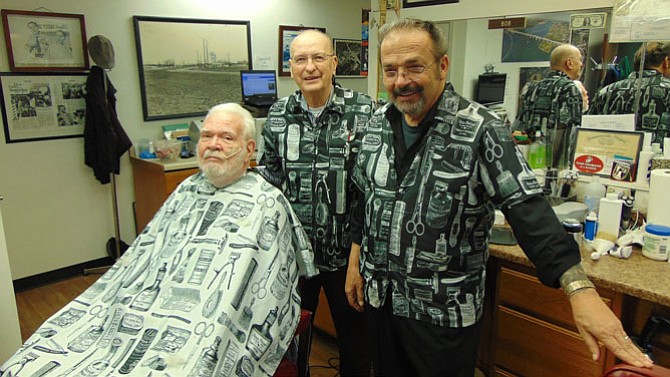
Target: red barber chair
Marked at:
625, 370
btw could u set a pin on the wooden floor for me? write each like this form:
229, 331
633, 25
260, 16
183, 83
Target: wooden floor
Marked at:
38, 304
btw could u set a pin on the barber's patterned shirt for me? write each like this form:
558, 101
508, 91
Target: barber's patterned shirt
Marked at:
429, 209
554, 106
210, 288
312, 162
653, 114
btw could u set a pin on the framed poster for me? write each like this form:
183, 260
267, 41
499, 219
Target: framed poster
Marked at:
612, 154
201, 67
421, 3
42, 106
286, 35
40, 41
348, 52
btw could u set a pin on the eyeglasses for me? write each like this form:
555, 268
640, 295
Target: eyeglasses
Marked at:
411, 72
302, 60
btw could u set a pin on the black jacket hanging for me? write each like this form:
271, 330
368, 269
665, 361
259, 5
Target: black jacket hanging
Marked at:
105, 141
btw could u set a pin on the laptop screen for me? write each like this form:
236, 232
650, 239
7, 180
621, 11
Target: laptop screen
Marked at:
259, 85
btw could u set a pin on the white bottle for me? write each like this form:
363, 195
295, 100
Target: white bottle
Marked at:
593, 192
644, 165
609, 217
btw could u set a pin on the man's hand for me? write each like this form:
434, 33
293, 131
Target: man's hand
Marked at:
353, 286
596, 322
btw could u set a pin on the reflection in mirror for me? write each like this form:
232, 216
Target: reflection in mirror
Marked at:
523, 53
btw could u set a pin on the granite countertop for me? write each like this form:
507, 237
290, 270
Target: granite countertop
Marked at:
637, 276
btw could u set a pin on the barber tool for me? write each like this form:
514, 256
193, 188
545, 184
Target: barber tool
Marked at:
456, 226
139, 351
251, 268
435, 281
158, 315
240, 335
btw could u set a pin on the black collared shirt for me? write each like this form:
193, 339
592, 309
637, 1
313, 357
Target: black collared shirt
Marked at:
427, 212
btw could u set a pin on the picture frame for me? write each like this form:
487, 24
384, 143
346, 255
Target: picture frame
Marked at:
286, 35
44, 41
348, 52
175, 82
42, 106
603, 152
421, 3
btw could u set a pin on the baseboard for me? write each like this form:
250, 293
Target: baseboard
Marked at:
59, 274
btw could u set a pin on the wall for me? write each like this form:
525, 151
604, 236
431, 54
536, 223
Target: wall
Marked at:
465, 10
56, 213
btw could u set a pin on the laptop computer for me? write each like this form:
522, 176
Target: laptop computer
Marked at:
259, 88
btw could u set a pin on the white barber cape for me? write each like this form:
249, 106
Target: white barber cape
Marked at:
208, 289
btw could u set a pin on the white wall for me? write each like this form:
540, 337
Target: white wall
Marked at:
470, 9
56, 213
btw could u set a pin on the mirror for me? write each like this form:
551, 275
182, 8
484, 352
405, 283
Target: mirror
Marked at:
523, 53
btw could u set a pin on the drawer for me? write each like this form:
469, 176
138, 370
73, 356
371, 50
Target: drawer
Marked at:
527, 346
174, 178
525, 293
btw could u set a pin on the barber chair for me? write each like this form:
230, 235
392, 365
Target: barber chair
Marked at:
288, 368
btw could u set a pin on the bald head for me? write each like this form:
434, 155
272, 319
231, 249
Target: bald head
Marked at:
567, 58
315, 36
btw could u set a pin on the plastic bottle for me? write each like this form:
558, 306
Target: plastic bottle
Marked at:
609, 217
538, 152
590, 226
593, 192
644, 165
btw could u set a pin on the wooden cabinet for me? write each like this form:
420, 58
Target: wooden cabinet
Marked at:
154, 182
533, 330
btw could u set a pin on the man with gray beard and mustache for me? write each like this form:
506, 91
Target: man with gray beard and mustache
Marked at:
210, 287
432, 167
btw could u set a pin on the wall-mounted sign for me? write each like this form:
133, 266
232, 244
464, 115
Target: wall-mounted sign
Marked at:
507, 23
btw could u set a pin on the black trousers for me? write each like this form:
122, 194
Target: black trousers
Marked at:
409, 347
355, 357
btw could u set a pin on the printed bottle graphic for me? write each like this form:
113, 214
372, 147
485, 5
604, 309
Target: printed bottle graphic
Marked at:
467, 123
441, 247
382, 169
147, 296
268, 232
207, 361
439, 204
95, 368
650, 119
259, 335
293, 142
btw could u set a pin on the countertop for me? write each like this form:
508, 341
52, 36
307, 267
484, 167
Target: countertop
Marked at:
637, 276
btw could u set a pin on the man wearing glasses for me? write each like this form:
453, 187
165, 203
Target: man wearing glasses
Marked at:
553, 105
432, 165
307, 151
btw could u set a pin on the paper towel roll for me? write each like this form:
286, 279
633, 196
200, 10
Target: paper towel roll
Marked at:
659, 203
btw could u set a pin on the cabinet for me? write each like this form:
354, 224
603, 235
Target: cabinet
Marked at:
154, 182
533, 330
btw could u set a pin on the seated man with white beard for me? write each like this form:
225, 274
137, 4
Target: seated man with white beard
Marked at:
208, 289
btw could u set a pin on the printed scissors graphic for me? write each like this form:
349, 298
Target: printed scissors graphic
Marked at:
98, 311
415, 225
266, 200
202, 330
493, 150
259, 288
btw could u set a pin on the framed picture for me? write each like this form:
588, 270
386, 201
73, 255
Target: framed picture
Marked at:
607, 153
200, 69
42, 106
420, 3
286, 35
39, 41
348, 52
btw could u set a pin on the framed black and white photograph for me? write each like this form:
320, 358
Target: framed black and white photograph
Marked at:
42, 106
201, 67
348, 52
421, 3
41, 41
286, 35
